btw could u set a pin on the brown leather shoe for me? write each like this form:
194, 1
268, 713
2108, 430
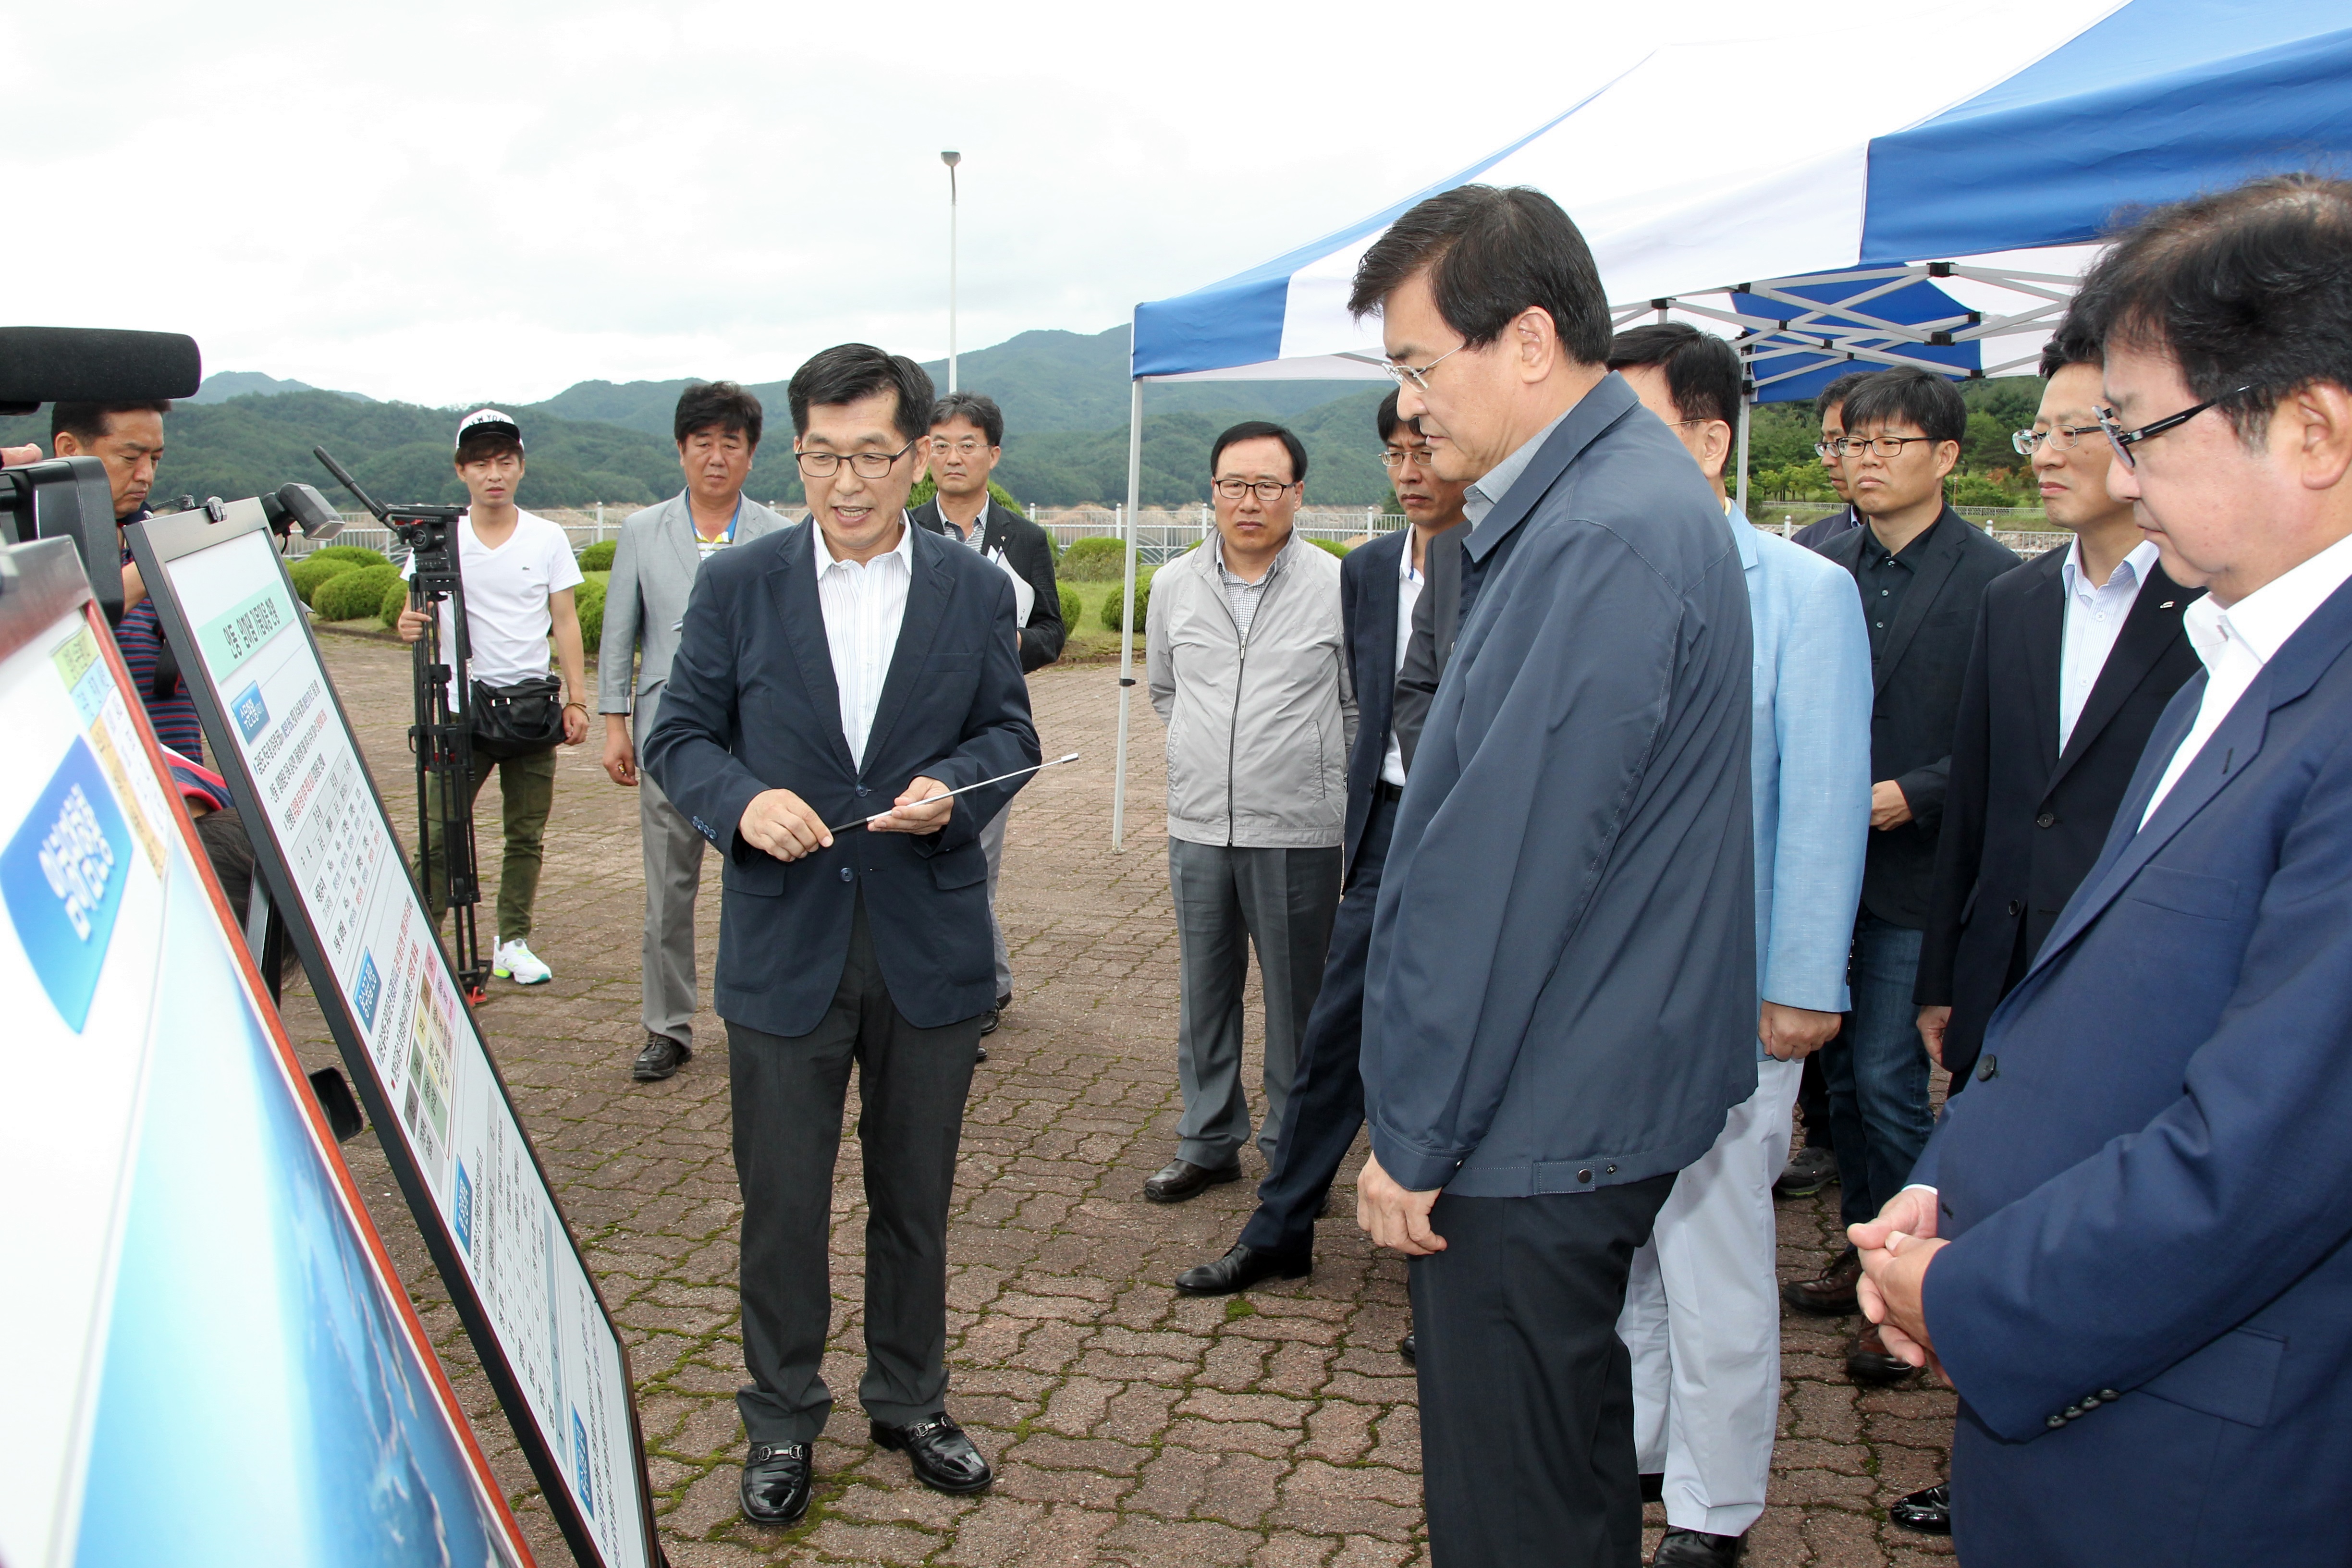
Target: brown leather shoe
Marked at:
1831, 1293
1868, 1360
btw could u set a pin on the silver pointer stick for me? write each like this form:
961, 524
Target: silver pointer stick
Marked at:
861, 821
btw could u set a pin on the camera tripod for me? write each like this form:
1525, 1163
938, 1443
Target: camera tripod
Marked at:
442, 737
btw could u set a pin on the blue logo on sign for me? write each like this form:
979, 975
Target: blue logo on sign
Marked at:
252, 713
580, 1465
62, 879
370, 988
464, 1207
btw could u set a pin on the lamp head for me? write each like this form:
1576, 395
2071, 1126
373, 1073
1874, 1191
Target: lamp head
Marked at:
951, 159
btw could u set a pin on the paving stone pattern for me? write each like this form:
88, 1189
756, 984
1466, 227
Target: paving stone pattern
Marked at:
1129, 1426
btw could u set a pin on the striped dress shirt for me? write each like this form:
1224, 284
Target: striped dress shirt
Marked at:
863, 609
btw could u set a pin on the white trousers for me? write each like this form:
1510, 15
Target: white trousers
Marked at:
1702, 1320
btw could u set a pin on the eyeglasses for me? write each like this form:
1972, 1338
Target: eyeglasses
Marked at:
2062, 438
1395, 457
1885, 445
1419, 374
1825, 450
865, 465
1267, 491
970, 447
2123, 440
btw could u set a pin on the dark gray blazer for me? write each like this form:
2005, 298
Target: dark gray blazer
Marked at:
1436, 622
1562, 977
1031, 554
1368, 602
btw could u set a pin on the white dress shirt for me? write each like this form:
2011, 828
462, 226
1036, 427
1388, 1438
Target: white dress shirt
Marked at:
1408, 595
2236, 642
863, 609
2094, 617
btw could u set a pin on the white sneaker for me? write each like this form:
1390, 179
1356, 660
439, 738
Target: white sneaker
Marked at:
516, 963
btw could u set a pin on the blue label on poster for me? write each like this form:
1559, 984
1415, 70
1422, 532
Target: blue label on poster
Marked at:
369, 989
252, 713
580, 1465
62, 877
464, 1207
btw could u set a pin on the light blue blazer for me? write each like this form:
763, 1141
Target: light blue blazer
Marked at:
1809, 751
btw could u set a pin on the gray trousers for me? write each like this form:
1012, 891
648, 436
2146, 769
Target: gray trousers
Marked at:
1281, 902
673, 877
992, 843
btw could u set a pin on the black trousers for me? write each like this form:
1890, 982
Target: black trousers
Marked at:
789, 1091
1527, 1392
1326, 1096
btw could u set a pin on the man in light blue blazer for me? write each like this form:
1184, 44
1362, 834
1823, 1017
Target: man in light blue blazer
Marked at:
1702, 1317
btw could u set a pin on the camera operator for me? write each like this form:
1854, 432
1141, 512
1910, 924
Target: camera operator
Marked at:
519, 574
128, 439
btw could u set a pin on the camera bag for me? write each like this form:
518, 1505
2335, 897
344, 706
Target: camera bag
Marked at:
519, 720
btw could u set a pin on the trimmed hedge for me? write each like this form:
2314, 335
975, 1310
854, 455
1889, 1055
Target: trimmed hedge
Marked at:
312, 571
598, 557
1094, 560
1115, 605
358, 552
1074, 609
589, 600
395, 599
348, 596
1338, 549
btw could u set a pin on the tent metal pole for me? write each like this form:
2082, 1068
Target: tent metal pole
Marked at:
1746, 408
1126, 614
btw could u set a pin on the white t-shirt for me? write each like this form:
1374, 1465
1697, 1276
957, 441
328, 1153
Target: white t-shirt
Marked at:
506, 619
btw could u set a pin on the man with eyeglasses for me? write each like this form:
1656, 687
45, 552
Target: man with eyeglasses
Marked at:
833, 682
2128, 1245
1830, 409
1246, 659
966, 443
1381, 585
2076, 653
1922, 569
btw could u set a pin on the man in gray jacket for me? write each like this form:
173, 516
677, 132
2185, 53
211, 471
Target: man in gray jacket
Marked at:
1247, 662
661, 548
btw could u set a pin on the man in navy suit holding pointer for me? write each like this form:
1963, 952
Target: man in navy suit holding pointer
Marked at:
826, 672
2126, 1244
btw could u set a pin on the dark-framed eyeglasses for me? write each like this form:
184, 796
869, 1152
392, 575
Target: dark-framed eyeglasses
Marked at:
1419, 374
2123, 440
1395, 457
2062, 438
1885, 445
865, 465
1267, 491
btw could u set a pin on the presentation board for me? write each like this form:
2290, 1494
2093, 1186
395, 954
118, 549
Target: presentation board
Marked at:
324, 844
207, 1357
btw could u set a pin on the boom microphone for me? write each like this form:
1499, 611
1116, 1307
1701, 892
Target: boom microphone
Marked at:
94, 365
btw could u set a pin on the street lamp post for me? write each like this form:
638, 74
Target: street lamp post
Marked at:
952, 160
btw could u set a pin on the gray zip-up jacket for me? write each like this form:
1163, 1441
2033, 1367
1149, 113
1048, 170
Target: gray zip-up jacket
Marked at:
1258, 728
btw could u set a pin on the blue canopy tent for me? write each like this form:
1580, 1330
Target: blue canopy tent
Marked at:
1871, 235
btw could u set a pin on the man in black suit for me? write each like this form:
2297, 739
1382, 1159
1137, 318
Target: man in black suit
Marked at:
1922, 569
1383, 586
849, 665
2076, 653
967, 441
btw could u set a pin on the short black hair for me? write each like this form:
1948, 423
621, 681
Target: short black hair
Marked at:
975, 410
1386, 418
1703, 372
1256, 430
481, 444
87, 421
722, 403
849, 371
1836, 394
2251, 288
1919, 397
1491, 254
2070, 345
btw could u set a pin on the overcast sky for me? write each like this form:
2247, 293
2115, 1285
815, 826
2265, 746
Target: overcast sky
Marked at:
444, 202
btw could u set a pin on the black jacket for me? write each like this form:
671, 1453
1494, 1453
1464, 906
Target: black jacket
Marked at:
1032, 554
1915, 678
1826, 531
2023, 824
1368, 601
1436, 622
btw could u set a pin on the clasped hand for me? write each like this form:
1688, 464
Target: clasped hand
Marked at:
1897, 1249
781, 823
1393, 1217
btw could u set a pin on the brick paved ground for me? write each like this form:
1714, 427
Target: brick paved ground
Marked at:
1129, 1426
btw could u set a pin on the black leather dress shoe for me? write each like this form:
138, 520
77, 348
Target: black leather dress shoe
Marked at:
1927, 1510
943, 1458
1182, 1179
1830, 1294
1867, 1359
1808, 1171
1242, 1268
661, 1058
776, 1482
1407, 1349
988, 1023
1697, 1548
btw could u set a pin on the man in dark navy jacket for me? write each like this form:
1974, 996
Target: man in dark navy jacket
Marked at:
2129, 1245
1380, 587
1563, 998
851, 665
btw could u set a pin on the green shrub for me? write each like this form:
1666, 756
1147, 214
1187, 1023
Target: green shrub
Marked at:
589, 600
348, 596
1074, 609
1115, 605
395, 599
598, 557
1094, 560
1977, 490
1338, 549
358, 552
313, 569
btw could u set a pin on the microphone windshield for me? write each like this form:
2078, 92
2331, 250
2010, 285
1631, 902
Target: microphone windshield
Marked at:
95, 364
